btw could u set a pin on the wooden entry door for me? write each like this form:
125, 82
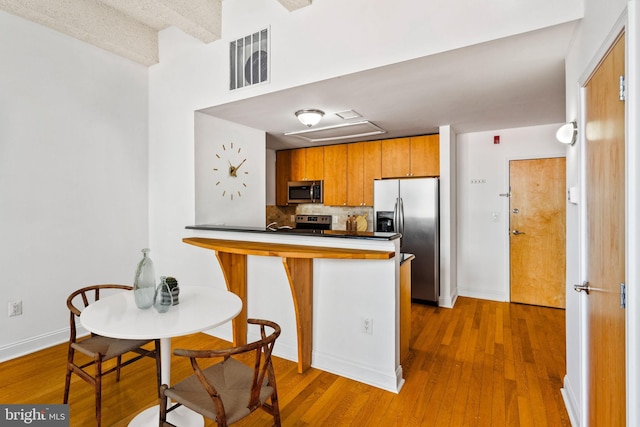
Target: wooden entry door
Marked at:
605, 228
537, 231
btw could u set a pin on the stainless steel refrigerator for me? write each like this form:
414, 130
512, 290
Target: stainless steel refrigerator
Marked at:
410, 207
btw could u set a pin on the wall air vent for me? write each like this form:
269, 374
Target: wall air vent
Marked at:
249, 60
342, 131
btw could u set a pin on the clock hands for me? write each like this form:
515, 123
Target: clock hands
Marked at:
233, 170
241, 163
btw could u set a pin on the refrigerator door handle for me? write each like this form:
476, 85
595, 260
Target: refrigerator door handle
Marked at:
396, 224
401, 216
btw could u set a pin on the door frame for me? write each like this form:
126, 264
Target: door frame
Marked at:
629, 22
506, 290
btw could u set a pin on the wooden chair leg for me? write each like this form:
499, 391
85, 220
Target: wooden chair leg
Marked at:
98, 388
158, 367
119, 361
67, 380
163, 405
275, 409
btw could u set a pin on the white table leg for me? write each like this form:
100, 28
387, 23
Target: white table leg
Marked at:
179, 417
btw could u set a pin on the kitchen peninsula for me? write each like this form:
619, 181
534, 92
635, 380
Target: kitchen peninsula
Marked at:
342, 311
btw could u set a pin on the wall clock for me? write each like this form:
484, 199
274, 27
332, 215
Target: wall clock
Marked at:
231, 169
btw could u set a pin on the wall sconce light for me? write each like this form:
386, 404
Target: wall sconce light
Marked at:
568, 133
309, 117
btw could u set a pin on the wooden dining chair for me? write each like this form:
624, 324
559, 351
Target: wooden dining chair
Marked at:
228, 390
100, 349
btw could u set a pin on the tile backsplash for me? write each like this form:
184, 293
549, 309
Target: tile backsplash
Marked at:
282, 215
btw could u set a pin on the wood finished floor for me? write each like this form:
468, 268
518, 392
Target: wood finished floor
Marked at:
481, 363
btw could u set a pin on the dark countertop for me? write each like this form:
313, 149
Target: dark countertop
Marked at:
302, 232
404, 257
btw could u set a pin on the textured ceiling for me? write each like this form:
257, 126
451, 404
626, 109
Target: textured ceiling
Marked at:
126, 27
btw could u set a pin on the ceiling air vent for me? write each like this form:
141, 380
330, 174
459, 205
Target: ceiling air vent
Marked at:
342, 131
249, 60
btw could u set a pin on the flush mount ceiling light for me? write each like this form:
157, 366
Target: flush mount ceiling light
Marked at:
309, 117
568, 133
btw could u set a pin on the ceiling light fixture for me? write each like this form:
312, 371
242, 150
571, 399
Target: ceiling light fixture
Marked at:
568, 133
309, 117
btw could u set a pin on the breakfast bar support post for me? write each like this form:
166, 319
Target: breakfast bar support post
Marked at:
234, 268
300, 275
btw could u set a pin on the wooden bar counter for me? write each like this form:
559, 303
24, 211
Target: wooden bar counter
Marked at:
298, 264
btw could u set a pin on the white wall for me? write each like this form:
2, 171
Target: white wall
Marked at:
483, 249
221, 199
448, 217
73, 176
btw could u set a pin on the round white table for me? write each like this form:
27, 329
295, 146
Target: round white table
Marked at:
200, 308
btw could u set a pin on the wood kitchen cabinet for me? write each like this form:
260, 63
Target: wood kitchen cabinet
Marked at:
396, 154
409, 157
307, 164
425, 155
335, 175
283, 176
363, 167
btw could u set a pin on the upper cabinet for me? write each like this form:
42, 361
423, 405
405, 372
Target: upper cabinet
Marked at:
335, 175
411, 157
396, 153
307, 164
283, 176
425, 155
348, 170
363, 167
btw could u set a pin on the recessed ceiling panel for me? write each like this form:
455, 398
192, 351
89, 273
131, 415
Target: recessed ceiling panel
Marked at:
342, 131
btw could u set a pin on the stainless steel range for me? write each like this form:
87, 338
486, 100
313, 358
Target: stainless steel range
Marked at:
313, 222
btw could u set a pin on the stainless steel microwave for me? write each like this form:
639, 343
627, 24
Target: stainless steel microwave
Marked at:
305, 192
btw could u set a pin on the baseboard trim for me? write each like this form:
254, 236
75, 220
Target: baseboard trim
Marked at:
570, 402
33, 344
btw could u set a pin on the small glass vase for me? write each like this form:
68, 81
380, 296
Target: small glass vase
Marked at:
163, 298
144, 284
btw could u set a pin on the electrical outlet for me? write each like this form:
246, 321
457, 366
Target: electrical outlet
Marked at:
15, 308
479, 181
367, 325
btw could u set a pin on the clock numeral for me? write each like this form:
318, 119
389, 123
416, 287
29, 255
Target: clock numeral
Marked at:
215, 169
244, 184
218, 183
217, 155
232, 145
239, 195
225, 148
239, 149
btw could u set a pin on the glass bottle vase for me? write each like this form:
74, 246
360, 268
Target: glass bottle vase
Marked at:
163, 298
144, 284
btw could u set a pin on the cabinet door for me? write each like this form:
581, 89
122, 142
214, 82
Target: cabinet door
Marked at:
372, 170
297, 160
314, 163
425, 155
396, 158
355, 173
335, 175
283, 165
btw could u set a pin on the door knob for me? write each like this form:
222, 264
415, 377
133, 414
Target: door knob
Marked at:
517, 233
584, 287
